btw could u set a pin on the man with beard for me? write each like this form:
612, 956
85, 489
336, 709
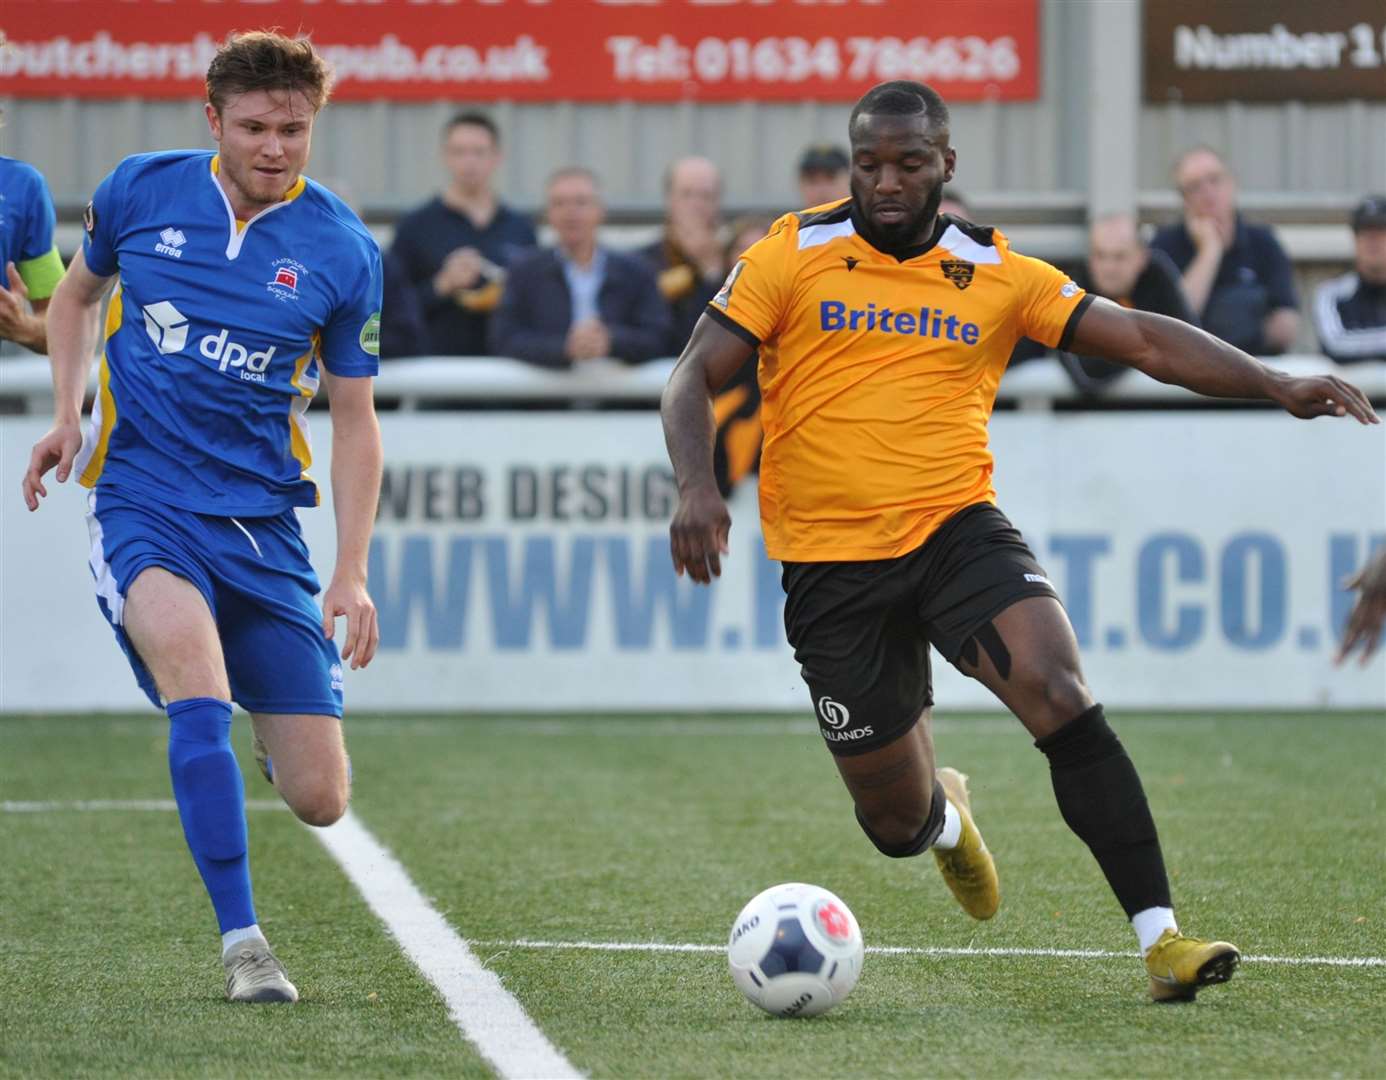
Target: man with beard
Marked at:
883, 331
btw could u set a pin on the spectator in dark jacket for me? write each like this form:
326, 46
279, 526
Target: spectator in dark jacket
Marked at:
402, 329
578, 301
1120, 267
454, 249
1236, 276
689, 258
1350, 311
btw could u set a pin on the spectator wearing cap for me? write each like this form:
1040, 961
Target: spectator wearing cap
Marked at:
1350, 311
577, 301
1236, 276
823, 175
454, 250
689, 258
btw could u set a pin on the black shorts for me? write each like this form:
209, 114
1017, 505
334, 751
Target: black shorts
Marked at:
861, 631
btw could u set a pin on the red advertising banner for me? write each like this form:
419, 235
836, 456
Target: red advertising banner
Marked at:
533, 50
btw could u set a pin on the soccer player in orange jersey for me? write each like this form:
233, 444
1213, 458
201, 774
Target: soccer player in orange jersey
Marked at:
883, 329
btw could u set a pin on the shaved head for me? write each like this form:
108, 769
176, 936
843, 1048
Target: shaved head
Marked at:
1116, 255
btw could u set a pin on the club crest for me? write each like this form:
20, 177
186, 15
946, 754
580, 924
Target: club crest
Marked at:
958, 272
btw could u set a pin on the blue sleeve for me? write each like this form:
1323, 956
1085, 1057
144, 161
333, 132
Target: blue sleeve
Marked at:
40, 221
1279, 274
101, 224
351, 339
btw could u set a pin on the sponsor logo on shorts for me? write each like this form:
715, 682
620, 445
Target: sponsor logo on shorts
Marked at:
833, 713
1040, 578
850, 735
834, 718
335, 671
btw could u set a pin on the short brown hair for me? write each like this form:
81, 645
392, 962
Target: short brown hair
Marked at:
266, 60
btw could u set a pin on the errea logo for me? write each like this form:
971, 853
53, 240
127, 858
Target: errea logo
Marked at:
171, 242
166, 325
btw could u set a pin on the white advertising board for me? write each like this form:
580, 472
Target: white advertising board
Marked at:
521, 562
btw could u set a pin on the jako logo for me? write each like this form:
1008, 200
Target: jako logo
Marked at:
166, 325
833, 713
231, 354
929, 322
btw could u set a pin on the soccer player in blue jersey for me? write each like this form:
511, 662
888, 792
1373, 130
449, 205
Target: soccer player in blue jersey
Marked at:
30, 266
242, 284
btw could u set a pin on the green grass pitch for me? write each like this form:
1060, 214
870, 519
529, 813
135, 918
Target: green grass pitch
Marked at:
641, 829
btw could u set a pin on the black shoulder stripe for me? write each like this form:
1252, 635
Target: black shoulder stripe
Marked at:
831, 216
980, 233
1071, 326
722, 319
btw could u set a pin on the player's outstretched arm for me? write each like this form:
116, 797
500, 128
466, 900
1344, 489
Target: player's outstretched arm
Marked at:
73, 315
357, 461
698, 533
1174, 352
1368, 615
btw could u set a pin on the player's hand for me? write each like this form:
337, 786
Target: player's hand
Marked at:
348, 596
14, 309
698, 534
59, 447
1369, 613
1323, 395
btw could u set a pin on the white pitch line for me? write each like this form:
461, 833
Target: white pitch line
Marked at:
487, 1015
636, 727
107, 805
939, 950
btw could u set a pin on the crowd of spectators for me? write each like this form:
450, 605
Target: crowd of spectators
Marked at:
465, 275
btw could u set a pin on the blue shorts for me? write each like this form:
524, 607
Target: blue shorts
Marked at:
255, 576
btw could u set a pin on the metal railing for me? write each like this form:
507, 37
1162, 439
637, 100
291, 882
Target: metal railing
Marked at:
464, 382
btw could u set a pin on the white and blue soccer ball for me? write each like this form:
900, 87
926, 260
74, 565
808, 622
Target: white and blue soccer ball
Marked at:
795, 950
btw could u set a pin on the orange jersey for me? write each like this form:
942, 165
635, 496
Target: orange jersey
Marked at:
878, 375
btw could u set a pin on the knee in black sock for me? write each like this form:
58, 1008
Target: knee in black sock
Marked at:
923, 840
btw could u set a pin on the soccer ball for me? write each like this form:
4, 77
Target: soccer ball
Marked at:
795, 950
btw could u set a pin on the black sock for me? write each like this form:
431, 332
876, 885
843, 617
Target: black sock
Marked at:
1101, 799
923, 840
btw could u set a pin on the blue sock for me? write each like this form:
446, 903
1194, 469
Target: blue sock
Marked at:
210, 794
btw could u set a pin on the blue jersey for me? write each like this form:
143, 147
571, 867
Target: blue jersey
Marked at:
216, 332
26, 225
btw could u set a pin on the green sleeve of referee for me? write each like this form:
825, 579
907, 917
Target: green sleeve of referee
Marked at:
42, 274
